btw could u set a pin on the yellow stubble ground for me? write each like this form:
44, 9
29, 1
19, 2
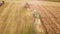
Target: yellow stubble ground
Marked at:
15, 19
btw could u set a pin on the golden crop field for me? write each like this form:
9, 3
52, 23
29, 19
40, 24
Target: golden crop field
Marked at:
15, 18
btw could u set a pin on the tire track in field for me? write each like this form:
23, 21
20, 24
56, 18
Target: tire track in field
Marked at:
46, 20
53, 20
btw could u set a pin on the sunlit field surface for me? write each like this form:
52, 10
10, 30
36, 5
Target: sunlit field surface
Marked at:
15, 18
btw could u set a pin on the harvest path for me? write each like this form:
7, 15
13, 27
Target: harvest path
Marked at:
49, 15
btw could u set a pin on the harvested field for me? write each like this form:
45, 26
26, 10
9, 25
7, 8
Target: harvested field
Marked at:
17, 19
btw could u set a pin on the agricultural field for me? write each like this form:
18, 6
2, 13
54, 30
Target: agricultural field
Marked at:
17, 18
